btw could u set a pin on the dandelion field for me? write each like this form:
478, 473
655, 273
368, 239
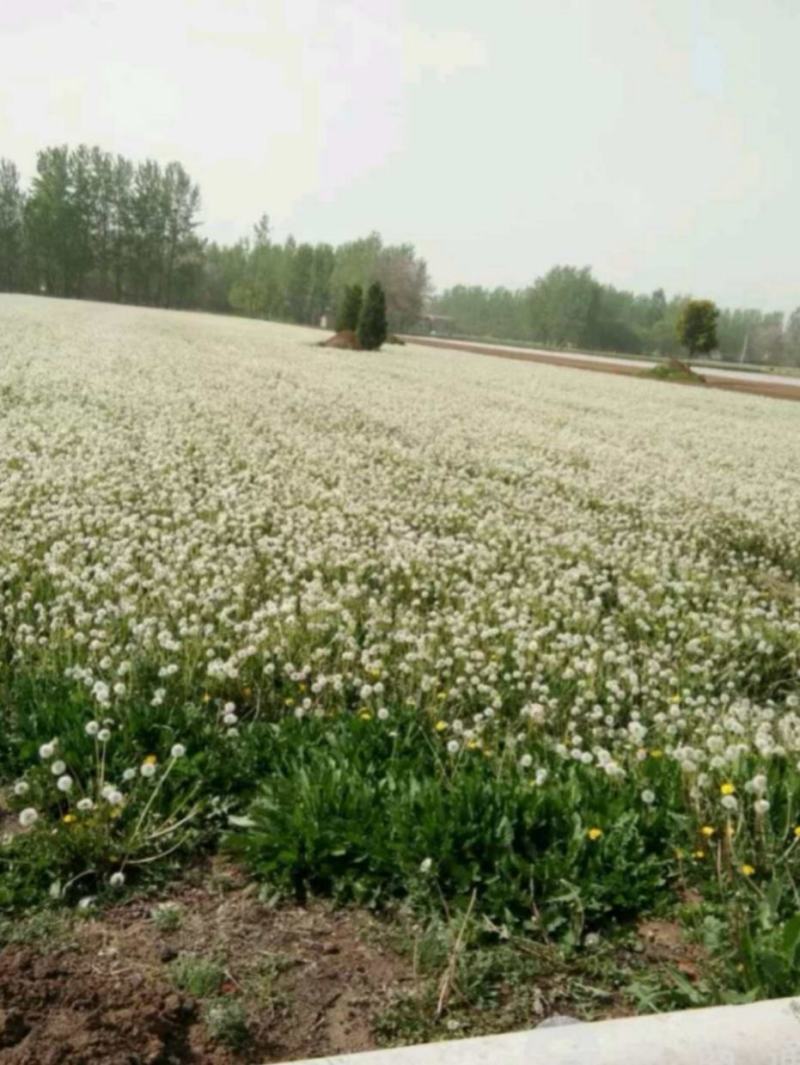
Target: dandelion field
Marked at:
415, 627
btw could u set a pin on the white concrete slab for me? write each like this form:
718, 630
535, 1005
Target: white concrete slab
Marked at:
764, 1033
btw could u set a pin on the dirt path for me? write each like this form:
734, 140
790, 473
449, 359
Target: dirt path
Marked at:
756, 387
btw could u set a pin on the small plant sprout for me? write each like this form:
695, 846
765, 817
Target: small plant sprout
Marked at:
167, 917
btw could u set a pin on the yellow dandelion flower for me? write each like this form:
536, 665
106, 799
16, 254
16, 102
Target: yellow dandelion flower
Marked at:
441, 696
473, 745
151, 760
594, 833
656, 752
727, 788
288, 702
675, 698
698, 854
365, 715
797, 831
707, 831
440, 726
206, 697
746, 870
69, 818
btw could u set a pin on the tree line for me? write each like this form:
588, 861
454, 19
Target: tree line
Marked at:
568, 307
98, 226
93, 225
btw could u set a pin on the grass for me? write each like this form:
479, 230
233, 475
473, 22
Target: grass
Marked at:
45, 927
483, 981
226, 1022
196, 975
167, 917
675, 371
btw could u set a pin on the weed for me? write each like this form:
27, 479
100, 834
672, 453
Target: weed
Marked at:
167, 917
198, 976
226, 1021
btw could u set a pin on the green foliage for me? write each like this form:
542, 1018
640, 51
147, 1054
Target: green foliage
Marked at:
45, 926
167, 917
372, 325
95, 225
226, 1021
87, 831
100, 226
196, 975
697, 327
674, 371
568, 308
350, 309
12, 204
756, 933
347, 817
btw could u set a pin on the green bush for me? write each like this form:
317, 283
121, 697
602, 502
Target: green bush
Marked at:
350, 309
346, 818
372, 325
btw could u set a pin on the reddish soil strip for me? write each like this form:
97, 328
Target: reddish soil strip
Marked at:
586, 362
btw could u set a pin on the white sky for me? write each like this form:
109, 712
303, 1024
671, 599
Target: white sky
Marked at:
652, 139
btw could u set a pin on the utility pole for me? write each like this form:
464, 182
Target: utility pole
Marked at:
745, 346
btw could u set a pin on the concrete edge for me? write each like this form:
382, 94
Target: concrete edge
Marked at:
760, 1033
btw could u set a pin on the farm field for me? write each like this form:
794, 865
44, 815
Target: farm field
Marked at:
484, 674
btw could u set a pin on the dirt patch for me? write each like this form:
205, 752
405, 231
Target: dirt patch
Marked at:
345, 339
309, 981
665, 942
64, 1007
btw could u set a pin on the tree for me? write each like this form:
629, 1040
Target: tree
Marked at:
792, 338
350, 309
11, 227
564, 305
324, 262
372, 325
697, 327
404, 278
299, 282
50, 223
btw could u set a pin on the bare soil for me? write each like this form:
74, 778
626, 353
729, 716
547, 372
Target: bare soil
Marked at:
345, 339
311, 980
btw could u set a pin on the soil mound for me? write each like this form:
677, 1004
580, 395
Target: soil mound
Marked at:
58, 1008
346, 339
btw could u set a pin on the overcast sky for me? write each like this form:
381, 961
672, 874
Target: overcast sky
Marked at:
654, 140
